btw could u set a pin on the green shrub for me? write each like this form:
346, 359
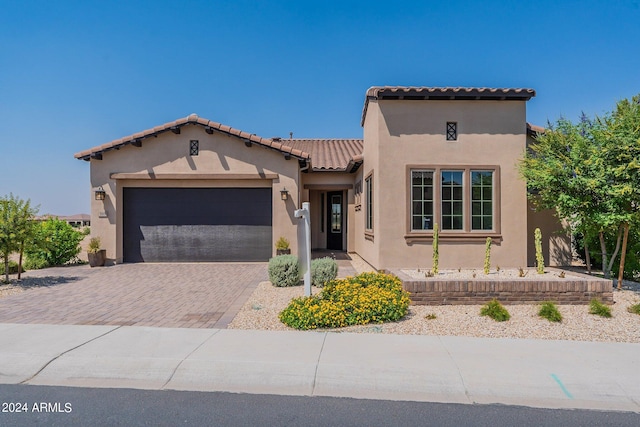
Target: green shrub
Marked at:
495, 310
34, 262
13, 267
323, 270
55, 243
366, 298
635, 309
284, 270
596, 307
549, 311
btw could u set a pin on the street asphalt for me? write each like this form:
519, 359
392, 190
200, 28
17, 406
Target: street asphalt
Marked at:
535, 373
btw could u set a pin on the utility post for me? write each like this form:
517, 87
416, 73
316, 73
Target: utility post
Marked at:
304, 246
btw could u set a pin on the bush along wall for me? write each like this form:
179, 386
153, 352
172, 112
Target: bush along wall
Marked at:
366, 298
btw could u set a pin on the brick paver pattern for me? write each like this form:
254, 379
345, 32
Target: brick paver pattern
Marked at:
197, 295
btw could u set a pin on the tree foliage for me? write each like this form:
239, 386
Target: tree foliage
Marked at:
589, 172
16, 227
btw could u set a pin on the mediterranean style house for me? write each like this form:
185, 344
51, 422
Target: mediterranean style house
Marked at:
195, 190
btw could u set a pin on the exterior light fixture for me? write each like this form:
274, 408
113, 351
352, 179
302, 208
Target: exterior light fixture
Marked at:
284, 194
100, 193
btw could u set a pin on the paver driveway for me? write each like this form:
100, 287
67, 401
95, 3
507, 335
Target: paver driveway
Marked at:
198, 295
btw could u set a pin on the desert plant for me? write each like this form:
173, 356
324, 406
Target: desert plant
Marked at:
94, 245
635, 308
495, 310
431, 316
521, 272
539, 258
282, 243
366, 298
562, 275
436, 256
284, 270
549, 311
323, 270
487, 256
598, 308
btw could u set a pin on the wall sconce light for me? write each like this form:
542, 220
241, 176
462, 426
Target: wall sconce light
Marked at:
284, 194
100, 193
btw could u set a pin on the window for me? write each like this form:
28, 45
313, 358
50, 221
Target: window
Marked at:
194, 147
369, 203
336, 214
452, 131
422, 199
460, 199
481, 200
451, 199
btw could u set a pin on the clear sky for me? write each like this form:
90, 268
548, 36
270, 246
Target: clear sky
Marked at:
76, 74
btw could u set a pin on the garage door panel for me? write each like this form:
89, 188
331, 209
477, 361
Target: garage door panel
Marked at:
197, 224
166, 243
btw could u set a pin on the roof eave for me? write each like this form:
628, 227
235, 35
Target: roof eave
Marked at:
444, 93
210, 127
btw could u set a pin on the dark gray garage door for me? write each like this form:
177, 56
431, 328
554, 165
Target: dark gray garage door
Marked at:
196, 224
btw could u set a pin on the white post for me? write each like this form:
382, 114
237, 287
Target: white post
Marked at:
304, 246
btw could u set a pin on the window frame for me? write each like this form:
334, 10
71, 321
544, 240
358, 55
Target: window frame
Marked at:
451, 131
194, 147
467, 233
368, 204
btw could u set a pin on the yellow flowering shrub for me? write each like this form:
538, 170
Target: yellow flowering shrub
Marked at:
366, 298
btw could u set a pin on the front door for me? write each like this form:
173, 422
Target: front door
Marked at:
334, 220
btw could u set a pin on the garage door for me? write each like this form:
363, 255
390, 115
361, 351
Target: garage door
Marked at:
196, 224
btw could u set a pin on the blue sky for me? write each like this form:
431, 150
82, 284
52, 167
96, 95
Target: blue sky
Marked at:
75, 74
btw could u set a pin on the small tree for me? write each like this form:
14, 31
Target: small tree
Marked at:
16, 228
590, 174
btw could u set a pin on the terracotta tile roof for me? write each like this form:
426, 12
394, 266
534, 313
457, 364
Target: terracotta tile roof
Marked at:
330, 154
193, 119
445, 93
533, 130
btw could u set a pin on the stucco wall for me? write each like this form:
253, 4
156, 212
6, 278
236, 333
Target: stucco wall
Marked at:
412, 133
556, 241
366, 243
169, 154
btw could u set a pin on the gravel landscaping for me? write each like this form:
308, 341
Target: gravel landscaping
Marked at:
262, 308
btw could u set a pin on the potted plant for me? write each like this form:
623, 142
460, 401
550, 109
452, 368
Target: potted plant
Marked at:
282, 246
97, 256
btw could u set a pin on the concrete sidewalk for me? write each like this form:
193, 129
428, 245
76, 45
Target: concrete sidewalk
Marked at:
551, 374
